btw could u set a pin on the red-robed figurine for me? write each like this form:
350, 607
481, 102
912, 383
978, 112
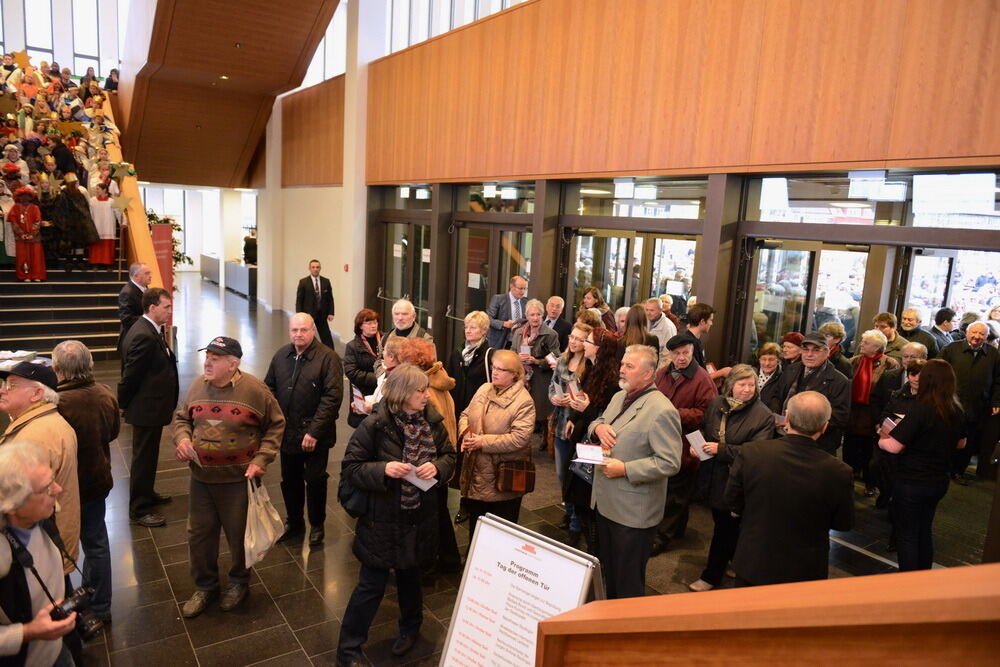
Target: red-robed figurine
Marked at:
26, 219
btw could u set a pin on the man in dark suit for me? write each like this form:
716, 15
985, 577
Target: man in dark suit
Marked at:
943, 329
816, 373
789, 494
147, 394
130, 298
315, 296
553, 319
506, 311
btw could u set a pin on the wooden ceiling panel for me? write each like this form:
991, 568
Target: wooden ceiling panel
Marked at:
187, 125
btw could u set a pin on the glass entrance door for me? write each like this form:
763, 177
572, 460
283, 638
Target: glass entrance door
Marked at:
629, 267
486, 258
407, 269
967, 281
801, 286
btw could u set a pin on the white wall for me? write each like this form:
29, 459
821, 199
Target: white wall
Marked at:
315, 231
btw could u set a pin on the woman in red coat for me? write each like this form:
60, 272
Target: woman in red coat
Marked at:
26, 219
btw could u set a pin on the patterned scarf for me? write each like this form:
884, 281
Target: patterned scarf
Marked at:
528, 336
469, 351
418, 449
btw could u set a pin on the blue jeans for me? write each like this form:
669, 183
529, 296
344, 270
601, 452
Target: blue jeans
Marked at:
565, 452
97, 555
914, 507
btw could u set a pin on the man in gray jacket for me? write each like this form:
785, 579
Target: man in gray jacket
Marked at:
640, 432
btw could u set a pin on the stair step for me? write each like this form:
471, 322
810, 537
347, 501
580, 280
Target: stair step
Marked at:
78, 299
62, 287
53, 327
37, 342
61, 275
58, 314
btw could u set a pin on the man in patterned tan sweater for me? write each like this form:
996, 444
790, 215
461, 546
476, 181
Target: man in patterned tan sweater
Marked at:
229, 428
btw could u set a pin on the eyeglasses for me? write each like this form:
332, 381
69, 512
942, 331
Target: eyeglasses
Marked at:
589, 342
8, 385
578, 339
496, 369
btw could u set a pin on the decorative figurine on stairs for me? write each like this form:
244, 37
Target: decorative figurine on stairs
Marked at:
26, 219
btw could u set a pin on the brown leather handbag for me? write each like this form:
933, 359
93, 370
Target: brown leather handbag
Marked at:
516, 476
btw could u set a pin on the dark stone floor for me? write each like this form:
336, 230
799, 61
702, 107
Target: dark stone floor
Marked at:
292, 616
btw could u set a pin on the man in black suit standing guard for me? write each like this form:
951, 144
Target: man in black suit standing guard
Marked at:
130, 298
147, 394
789, 494
315, 296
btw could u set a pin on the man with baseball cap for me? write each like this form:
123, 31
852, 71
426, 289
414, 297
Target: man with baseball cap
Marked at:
229, 427
817, 373
28, 395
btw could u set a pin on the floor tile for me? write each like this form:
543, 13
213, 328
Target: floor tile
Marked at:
283, 579
172, 652
248, 648
142, 625
305, 608
319, 638
257, 612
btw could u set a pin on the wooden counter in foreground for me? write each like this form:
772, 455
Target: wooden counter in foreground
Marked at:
946, 616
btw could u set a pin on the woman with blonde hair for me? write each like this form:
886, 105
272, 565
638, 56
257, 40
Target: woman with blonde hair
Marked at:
495, 428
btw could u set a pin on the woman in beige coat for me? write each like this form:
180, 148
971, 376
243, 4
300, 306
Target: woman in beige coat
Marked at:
495, 427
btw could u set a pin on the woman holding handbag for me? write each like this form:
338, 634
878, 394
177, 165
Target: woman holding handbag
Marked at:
399, 530
495, 434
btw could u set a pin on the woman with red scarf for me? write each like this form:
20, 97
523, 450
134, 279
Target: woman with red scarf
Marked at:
859, 441
26, 219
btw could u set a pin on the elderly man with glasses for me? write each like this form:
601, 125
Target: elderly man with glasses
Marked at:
28, 395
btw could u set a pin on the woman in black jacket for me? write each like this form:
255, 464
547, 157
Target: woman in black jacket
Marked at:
924, 440
899, 404
731, 419
403, 435
599, 386
359, 359
470, 368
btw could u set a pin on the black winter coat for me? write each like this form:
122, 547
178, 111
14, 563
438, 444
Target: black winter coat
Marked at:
468, 377
749, 422
830, 382
309, 391
359, 367
770, 394
386, 537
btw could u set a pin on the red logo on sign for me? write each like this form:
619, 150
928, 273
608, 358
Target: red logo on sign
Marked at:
527, 547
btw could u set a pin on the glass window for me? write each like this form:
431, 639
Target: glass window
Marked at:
779, 304
839, 288
2, 40
472, 289
462, 12
515, 255
314, 74
422, 271
975, 282
823, 199
509, 197
601, 262
413, 197
420, 20
38, 56
123, 10
399, 25
486, 7
81, 64
38, 24
248, 206
963, 201
641, 198
85, 21
672, 267
929, 282
336, 42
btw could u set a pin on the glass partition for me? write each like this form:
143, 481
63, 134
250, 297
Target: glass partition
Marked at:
839, 288
779, 304
640, 197
515, 256
501, 197
601, 261
410, 197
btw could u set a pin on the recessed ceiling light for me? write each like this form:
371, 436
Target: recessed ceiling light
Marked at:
224, 77
850, 204
594, 191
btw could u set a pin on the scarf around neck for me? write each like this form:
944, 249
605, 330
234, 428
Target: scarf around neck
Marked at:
861, 385
418, 449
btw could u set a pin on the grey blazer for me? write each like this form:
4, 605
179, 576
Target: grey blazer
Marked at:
499, 312
649, 442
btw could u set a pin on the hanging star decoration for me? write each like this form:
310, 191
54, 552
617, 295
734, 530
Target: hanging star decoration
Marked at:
21, 58
121, 203
120, 170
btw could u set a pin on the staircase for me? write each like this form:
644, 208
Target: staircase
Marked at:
82, 305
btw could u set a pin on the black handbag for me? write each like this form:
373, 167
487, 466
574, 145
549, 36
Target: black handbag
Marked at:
353, 499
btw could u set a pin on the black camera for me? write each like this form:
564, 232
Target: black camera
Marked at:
87, 624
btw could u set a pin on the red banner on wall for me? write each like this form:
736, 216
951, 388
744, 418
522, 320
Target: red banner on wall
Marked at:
164, 247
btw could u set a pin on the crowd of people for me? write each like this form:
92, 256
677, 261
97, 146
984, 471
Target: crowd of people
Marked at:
58, 184
757, 444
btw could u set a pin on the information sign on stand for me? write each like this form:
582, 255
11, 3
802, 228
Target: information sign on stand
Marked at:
513, 579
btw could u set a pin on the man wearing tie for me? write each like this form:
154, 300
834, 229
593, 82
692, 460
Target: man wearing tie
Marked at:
315, 296
130, 298
147, 394
506, 311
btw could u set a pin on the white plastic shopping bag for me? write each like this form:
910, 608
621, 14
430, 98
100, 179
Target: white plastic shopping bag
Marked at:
264, 524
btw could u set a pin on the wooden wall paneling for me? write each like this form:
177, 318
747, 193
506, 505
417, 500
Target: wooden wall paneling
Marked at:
827, 79
949, 83
522, 80
312, 130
